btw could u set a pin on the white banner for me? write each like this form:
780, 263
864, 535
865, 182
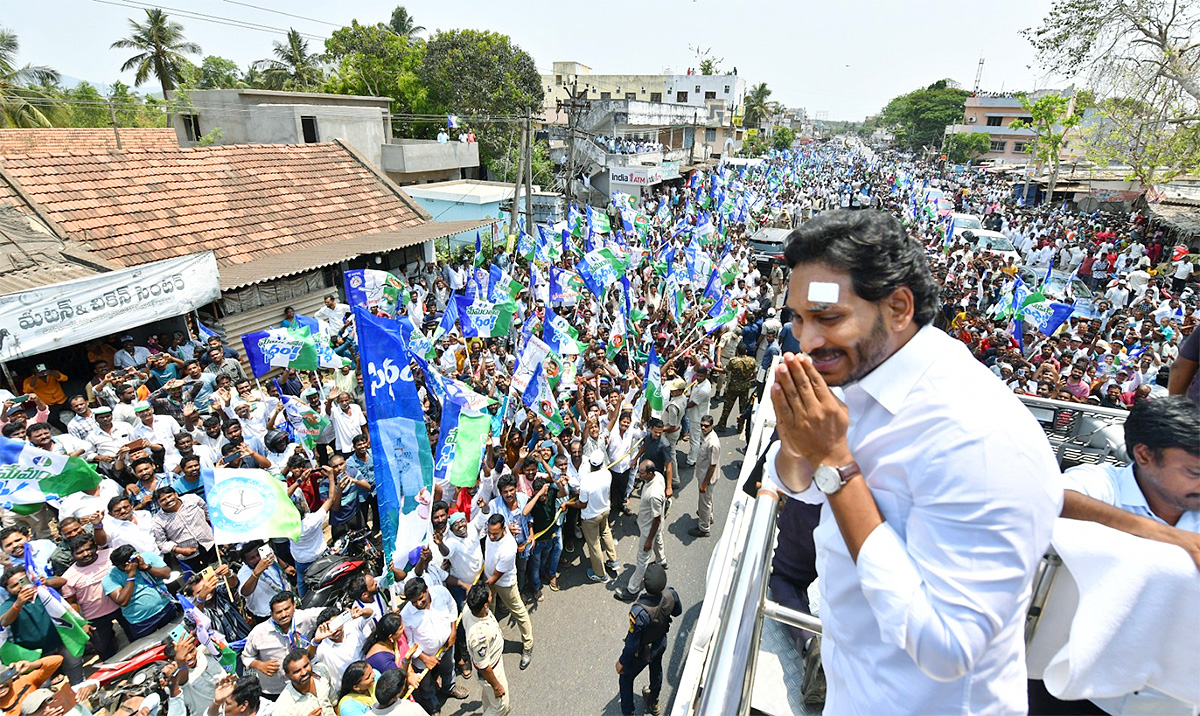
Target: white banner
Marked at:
72, 312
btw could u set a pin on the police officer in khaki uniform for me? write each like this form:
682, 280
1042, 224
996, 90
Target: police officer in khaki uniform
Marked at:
646, 642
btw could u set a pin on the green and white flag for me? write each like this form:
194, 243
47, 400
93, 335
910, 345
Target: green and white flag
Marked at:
469, 439
484, 319
246, 505
32, 476
720, 319
654, 391
540, 398
728, 269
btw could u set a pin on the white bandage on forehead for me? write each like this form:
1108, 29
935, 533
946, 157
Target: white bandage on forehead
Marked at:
819, 292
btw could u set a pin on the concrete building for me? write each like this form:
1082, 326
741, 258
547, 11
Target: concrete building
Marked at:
250, 116
473, 200
993, 114
694, 91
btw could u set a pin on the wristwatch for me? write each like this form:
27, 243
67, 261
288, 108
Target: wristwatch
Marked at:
831, 479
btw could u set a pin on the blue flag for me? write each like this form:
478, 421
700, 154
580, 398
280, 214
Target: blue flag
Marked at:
399, 441
711, 288
497, 285
558, 283
566, 239
449, 318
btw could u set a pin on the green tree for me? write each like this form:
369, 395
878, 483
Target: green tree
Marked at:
962, 148
783, 138
162, 49
86, 107
475, 72
920, 117
132, 110
294, 67
543, 171
403, 24
756, 106
24, 101
754, 143
1051, 117
708, 66
373, 60
219, 73
1141, 59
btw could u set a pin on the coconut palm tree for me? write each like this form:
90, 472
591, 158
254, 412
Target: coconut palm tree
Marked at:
162, 50
294, 67
756, 107
23, 100
402, 23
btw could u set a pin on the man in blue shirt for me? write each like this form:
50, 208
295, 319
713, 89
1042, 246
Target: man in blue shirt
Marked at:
360, 466
515, 508
135, 584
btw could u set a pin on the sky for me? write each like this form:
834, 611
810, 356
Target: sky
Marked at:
846, 59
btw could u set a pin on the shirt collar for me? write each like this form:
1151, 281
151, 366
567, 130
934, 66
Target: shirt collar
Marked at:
1130, 493
891, 382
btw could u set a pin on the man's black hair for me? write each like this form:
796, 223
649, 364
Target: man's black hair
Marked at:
414, 588
121, 555
280, 598
164, 490
1171, 422
391, 686
118, 500
477, 597
874, 249
78, 541
496, 520
292, 657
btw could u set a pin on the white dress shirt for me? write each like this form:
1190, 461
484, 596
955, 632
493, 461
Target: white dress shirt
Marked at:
466, 556
931, 617
432, 627
140, 534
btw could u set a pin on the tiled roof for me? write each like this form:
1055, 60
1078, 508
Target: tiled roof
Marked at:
30, 141
241, 201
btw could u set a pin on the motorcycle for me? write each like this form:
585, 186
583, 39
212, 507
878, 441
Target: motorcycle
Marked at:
328, 578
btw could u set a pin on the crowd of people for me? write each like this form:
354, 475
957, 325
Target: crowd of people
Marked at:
137, 552
627, 145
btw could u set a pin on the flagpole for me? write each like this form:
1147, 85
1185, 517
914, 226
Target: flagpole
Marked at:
221, 563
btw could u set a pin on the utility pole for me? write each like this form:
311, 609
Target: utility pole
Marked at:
692, 153
575, 102
512, 209
112, 113
528, 169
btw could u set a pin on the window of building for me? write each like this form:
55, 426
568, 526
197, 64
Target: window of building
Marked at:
558, 79
994, 121
606, 95
681, 97
710, 95
631, 95
191, 126
697, 89
998, 146
1019, 147
710, 135
656, 96
726, 89
309, 126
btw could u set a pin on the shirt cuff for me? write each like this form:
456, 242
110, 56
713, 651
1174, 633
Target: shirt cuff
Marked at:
811, 495
890, 582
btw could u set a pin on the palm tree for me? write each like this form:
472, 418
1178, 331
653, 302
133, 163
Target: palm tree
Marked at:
755, 106
294, 67
402, 23
22, 100
162, 50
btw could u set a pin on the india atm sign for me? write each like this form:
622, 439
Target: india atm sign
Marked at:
638, 176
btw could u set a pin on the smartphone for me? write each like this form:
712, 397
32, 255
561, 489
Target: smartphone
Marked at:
339, 621
265, 551
20, 399
208, 572
177, 633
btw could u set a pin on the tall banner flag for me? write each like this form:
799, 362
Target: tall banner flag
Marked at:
461, 439
485, 319
559, 335
525, 245
617, 336
282, 348
654, 395
373, 289
399, 441
534, 354
598, 270
246, 505
598, 221
539, 397
69, 625
32, 476
480, 259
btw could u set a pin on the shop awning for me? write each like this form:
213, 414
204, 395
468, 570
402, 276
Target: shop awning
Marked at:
318, 256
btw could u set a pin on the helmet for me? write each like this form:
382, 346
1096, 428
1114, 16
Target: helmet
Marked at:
276, 441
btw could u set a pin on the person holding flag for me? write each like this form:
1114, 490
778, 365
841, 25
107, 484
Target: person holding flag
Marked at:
30, 625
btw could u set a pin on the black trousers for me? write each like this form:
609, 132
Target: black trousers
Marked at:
616, 495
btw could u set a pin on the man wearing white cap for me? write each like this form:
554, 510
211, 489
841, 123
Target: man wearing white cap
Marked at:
130, 355
593, 503
158, 430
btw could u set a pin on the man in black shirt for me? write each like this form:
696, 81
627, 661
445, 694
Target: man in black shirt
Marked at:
656, 449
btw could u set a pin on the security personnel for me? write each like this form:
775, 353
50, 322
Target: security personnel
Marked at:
649, 621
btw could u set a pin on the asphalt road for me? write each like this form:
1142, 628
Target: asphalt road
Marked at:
578, 632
